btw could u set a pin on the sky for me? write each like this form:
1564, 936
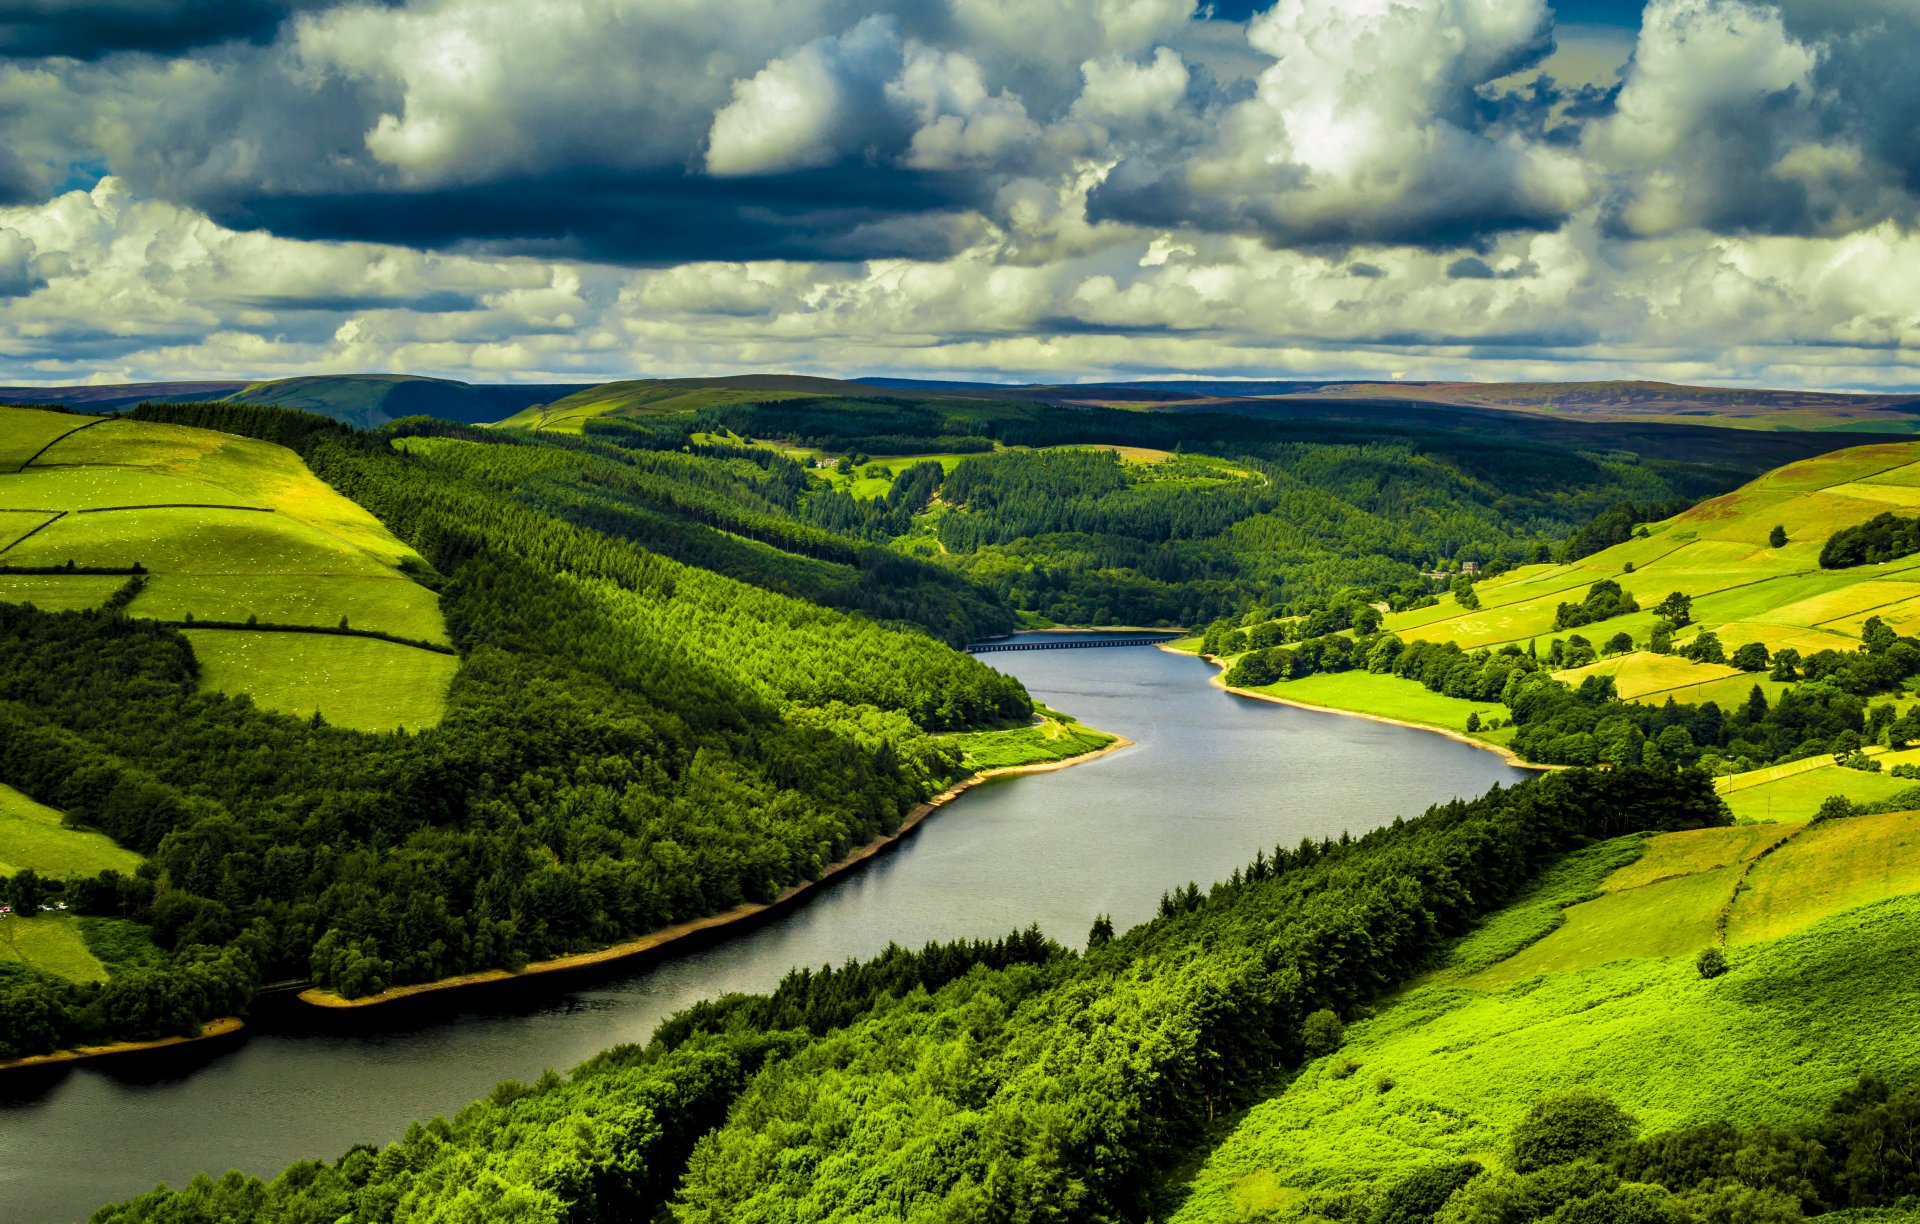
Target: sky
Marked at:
1713, 191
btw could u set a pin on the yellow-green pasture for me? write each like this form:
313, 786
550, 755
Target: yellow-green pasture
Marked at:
229, 529
1718, 553
355, 682
1794, 791
642, 398
25, 432
32, 837
51, 944
1825, 869
59, 592
1360, 692
386, 601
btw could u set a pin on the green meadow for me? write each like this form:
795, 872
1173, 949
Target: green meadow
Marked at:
1052, 737
25, 432
1589, 982
1381, 696
50, 943
32, 837
229, 529
356, 682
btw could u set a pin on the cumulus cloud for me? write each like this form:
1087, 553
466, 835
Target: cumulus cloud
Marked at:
1368, 126
561, 189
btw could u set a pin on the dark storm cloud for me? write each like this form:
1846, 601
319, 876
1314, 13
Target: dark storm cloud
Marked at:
90, 29
658, 219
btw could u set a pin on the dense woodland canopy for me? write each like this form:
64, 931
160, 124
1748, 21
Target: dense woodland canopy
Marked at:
1282, 509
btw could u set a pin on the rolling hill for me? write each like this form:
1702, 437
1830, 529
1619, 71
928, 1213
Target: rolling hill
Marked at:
361, 400
235, 536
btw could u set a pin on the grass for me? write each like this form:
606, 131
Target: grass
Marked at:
1055, 737
642, 398
1796, 796
1541, 910
25, 431
32, 837
97, 488
50, 943
1692, 852
361, 683
258, 472
56, 593
1394, 697
232, 529
1641, 673
16, 524
1718, 553
1793, 1023
387, 602
1827, 869
1675, 917
183, 540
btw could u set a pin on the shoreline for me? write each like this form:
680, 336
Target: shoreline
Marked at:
666, 937
1508, 755
221, 1026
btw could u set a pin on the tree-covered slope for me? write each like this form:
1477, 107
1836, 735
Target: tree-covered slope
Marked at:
628, 740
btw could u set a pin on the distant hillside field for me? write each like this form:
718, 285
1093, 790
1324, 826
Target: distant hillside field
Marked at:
1718, 553
227, 531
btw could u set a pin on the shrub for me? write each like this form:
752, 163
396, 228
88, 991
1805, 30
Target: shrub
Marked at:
1415, 1198
1711, 962
1568, 1127
1320, 1033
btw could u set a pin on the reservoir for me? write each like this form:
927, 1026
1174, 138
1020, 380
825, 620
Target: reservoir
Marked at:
1210, 779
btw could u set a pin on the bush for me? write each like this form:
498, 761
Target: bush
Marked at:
1321, 1033
1834, 807
1415, 1198
1711, 962
1571, 1126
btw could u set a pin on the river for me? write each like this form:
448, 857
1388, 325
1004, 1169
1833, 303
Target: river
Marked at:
1210, 779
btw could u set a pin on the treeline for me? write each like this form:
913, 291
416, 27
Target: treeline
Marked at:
1884, 537
939, 1085
1577, 1157
629, 742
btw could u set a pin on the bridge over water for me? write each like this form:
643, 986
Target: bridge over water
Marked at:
1070, 643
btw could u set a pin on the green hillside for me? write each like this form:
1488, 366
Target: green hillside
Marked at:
1603, 994
666, 396
206, 528
367, 400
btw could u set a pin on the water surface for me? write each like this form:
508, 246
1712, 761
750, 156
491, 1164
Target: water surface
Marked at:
1210, 779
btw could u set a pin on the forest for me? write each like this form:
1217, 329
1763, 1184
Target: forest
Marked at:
1010, 1080
632, 739
1227, 512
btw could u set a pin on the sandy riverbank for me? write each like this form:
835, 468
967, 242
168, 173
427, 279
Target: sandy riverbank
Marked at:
224, 1026
665, 937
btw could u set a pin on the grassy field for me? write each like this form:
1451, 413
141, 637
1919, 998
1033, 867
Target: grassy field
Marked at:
1446, 1069
1718, 553
229, 528
1764, 795
385, 601
1361, 692
24, 432
31, 837
51, 943
1055, 737
356, 682
57, 593
1828, 869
